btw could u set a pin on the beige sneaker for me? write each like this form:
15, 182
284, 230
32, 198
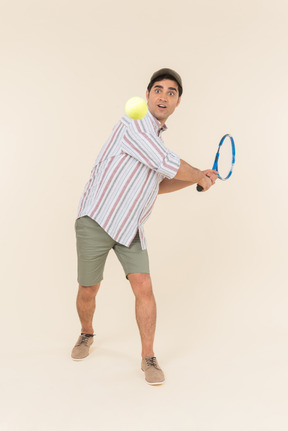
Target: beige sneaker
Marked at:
153, 373
82, 347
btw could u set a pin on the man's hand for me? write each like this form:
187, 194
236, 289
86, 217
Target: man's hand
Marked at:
205, 179
213, 175
208, 180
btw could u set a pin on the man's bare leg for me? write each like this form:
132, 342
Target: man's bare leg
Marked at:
86, 304
145, 307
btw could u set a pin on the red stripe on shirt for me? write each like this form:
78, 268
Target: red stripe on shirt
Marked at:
121, 194
139, 152
108, 183
132, 207
109, 144
150, 140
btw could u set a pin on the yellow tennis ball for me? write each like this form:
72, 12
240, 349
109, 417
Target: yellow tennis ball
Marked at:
136, 108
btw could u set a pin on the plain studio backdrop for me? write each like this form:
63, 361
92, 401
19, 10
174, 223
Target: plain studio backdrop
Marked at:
218, 259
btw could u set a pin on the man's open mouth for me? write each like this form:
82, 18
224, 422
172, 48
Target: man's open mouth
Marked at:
161, 106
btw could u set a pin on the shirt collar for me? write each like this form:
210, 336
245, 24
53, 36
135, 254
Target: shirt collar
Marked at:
156, 124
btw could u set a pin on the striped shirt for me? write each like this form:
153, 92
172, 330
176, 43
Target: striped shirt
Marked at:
124, 181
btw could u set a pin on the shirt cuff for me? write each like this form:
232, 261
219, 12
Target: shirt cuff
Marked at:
170, 165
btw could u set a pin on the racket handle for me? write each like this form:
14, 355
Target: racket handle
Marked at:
199, 188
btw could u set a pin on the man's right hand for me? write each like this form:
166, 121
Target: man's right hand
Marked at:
205, 183
205, 179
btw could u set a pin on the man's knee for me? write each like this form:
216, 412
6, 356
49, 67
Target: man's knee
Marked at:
141, 284
89, 291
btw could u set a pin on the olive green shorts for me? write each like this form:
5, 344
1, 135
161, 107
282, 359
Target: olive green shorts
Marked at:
93, 246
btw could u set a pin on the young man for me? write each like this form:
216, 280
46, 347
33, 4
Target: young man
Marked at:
132, 168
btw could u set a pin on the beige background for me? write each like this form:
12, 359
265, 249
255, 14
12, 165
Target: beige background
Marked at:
218, 259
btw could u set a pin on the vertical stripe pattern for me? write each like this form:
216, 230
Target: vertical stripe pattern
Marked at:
124, 181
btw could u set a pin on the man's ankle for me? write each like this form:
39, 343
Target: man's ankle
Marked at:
148, 354
89, 332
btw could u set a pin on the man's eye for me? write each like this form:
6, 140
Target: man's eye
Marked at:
157, 90
171, 93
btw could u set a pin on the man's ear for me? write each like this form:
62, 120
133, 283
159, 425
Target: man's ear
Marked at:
147, 95
179, 100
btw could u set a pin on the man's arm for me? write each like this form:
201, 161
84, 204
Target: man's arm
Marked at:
167, 186
186, 172
186, 176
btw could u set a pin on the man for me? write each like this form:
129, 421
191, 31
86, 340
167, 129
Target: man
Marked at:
132, 168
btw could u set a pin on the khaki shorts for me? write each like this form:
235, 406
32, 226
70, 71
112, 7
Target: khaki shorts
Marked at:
93, 246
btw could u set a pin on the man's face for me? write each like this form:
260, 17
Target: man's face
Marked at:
163, 99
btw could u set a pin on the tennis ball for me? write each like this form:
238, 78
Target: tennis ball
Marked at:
136, 108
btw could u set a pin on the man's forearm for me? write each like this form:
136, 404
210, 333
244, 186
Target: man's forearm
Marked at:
186, 172
168, 186
186, 176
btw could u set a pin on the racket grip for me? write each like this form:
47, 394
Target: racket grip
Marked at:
199, 188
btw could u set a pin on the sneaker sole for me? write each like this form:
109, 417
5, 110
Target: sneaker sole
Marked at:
152, 384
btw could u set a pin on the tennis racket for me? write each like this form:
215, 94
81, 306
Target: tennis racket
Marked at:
225, 163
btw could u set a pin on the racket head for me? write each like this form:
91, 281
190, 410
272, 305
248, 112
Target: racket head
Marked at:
217, 157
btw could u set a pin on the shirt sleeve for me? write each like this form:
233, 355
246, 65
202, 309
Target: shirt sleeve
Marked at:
150, 150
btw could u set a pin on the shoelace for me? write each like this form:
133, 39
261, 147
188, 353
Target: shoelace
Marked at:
83, 340
151, 362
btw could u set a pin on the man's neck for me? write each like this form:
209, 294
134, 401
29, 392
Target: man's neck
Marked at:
161, 124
